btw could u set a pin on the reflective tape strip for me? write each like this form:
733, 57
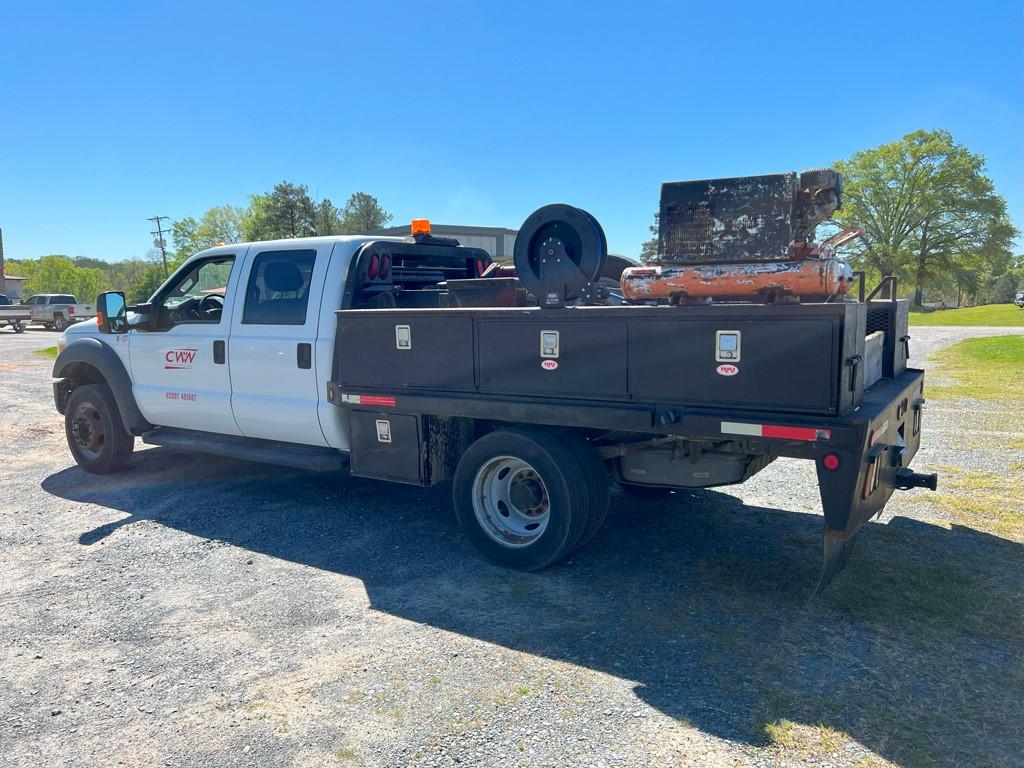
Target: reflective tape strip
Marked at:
738, 428
810, 434
378, 400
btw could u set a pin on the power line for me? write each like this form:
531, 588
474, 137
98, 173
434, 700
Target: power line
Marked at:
160, 242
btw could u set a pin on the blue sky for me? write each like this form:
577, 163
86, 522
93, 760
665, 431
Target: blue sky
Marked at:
471, 113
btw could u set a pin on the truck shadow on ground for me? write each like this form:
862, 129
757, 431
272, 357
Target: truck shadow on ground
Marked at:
914, 651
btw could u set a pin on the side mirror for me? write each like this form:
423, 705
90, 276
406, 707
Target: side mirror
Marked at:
111, 315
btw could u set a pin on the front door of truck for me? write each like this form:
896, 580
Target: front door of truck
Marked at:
274, 383
179, 362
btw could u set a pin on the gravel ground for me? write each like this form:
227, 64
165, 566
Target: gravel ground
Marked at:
197, 611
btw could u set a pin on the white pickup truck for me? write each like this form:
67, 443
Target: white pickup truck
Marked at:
416, 360
57, 311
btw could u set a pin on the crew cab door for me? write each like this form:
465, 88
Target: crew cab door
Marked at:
274, 384
179, 361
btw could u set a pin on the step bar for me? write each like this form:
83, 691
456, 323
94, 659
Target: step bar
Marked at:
307, 457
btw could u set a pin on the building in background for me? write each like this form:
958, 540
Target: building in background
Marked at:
14, 288
10, 286
497, 241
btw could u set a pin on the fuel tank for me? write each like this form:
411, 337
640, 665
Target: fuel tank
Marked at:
813, 278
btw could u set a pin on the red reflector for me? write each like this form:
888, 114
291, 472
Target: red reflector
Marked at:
385, 267
374, 263
790, 433
387, 400
831, 462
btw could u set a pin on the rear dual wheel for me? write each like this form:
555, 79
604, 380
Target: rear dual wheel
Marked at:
527, 497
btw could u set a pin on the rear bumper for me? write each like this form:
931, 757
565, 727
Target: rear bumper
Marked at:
857, 479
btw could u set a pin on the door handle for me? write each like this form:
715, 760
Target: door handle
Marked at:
218, 352
304, 355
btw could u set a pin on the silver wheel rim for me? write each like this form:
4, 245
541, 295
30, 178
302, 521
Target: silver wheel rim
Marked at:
511, 502
87, 430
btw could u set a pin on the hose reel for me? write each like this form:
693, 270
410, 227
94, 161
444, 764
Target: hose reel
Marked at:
558, 254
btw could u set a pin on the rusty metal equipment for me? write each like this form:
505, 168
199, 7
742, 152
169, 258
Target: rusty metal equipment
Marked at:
745, 238
772, 281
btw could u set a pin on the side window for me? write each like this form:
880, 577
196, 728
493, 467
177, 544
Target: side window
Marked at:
278, 290
197, 296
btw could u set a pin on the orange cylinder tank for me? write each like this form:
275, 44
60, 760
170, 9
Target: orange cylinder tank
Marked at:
808, 278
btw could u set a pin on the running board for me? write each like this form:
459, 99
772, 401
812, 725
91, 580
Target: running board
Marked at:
306, 457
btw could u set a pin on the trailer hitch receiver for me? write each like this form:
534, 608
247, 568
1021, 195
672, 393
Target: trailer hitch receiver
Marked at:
907, 478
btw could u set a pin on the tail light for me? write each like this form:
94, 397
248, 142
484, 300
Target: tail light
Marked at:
385, 267
480, 267
374, 265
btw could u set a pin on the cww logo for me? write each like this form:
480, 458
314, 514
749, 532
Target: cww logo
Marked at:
179, 359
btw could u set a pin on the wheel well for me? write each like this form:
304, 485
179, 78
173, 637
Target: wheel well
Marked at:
75, 375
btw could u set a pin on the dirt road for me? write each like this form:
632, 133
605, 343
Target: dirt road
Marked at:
197, 611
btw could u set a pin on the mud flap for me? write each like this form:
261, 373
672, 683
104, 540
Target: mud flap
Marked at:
836, 552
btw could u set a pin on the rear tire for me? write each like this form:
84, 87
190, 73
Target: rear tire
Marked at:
97, 438
59, 324
521, 497
598, 485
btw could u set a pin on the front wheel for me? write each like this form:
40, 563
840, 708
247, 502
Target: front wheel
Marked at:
521, 497
97, 438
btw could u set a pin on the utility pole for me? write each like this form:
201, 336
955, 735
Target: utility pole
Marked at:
160, 242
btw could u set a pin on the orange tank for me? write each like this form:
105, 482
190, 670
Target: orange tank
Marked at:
808, 278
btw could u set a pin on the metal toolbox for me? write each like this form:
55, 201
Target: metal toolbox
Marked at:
798, 358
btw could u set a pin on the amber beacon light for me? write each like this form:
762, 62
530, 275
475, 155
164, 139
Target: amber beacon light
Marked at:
420, 227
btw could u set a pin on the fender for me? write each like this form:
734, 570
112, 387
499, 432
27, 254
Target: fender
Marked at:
95, 353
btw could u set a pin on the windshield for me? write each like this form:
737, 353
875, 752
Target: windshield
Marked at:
210, 277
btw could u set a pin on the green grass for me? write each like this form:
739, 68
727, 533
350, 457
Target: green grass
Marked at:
1004, 315
990, 368
50, 352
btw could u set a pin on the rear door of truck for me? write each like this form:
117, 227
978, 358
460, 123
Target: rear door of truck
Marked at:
274, 388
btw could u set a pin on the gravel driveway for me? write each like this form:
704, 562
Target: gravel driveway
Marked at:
197, 611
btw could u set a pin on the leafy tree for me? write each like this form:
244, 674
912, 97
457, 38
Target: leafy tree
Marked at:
927, 210
327, 218
219, 225
290, 211
649, 248
59, 274
256, 219
222, 224
185, 236
363, 213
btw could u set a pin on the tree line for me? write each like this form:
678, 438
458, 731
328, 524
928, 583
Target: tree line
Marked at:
930, 215
286, 211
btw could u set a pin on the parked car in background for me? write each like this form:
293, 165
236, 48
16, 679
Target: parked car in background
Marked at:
1019, 299
13, 315
58, 310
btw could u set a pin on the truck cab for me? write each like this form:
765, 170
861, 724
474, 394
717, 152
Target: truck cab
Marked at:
239, 340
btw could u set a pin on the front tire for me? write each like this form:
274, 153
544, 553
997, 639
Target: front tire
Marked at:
521, 497
96, 436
